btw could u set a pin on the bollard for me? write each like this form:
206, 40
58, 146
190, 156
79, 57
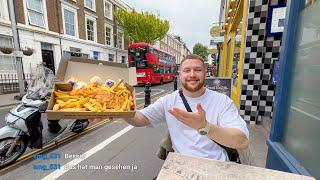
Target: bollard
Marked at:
147, 94
175, 83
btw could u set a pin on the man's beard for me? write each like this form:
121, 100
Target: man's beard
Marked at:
193, 89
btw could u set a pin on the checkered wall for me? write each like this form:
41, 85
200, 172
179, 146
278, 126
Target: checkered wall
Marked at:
257, 93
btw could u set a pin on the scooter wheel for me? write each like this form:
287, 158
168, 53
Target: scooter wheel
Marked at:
17, 151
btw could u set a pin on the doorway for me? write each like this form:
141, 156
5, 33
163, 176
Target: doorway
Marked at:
47, 59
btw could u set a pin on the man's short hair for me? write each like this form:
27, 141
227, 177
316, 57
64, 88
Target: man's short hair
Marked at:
192, 56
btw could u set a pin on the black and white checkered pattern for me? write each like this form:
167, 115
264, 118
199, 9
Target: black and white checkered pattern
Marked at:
257, 93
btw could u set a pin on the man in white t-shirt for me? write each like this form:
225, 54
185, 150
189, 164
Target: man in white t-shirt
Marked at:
213, 116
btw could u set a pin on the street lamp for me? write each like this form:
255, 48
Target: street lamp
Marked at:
17, 50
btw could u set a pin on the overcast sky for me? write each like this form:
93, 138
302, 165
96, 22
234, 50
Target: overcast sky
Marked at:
190, 19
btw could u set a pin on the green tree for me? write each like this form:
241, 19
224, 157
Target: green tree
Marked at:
201, 50
142, 27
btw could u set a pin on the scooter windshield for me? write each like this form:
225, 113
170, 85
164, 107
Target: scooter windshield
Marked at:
41, 83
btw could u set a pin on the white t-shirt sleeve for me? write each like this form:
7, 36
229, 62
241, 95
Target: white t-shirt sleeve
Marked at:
155, 112
230, 117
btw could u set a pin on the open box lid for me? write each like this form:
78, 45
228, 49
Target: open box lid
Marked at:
84, 69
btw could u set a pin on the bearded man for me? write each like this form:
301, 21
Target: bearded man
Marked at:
213, 117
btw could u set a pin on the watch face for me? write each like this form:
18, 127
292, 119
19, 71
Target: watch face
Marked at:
203, 132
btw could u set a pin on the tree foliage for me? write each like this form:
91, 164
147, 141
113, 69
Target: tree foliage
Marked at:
201, 50
142, 27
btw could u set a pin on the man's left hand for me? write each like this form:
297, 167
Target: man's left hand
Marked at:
195, 120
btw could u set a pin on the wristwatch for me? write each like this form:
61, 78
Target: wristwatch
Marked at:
204, 131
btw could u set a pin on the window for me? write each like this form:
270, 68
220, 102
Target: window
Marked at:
35, 12
7, 63
74, 49
301, 131
156, 69
4, 10
6, 41
123, 59
95, 55
69, 22
90, 4
109, 35
91, 28
107, 9
111, 57
120, 39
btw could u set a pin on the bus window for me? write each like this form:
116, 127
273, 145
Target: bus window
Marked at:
141, 64
168, 69
138, 57
161, 70
156, 70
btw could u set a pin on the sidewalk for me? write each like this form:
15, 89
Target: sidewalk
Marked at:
256, 154
8, 99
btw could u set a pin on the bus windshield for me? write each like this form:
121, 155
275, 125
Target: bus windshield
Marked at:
138, 57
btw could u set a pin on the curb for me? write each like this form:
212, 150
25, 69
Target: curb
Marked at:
8, 105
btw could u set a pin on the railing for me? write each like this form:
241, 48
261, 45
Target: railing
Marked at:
9, 83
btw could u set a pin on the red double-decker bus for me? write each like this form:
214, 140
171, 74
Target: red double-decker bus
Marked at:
152, 65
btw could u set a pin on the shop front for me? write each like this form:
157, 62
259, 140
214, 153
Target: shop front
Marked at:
294, 143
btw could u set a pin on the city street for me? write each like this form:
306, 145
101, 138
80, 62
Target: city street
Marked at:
120, 156
249, 71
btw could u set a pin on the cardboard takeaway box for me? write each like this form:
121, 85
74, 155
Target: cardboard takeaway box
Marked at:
83, 70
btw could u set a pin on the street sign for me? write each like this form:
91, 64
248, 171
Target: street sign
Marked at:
276, 20
220, 84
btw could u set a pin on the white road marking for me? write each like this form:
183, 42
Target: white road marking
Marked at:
57, 173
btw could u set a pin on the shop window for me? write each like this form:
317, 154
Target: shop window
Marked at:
301, 133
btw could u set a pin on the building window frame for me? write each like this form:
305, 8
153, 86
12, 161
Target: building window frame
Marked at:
37, 12
4, 11
111, 57
76, 33
121, 46
95, 55
7, 41
94, 20
110, 15
279, 157
123, 59
7, 60
111, 34
93, 8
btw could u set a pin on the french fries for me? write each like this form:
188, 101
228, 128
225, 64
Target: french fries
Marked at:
95, 98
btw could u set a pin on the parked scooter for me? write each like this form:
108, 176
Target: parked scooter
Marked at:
23, 122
